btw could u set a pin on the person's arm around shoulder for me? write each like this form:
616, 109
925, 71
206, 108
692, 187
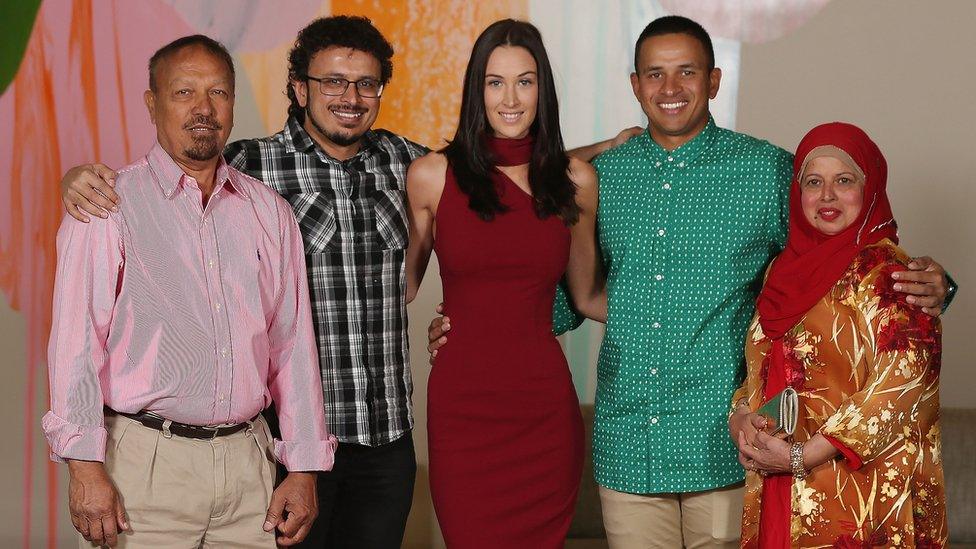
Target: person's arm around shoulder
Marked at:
585, 274
901, 343
587, 153
425, 184
295, 385
89, 189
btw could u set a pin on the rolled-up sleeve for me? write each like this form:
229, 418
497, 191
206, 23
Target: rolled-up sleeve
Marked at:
90, 264
295, 382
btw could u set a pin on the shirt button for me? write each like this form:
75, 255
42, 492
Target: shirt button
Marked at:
653, 371
656, 325
220, 399
211, 263
681, 164
217, 306
653, 421
657, 164
670, 159
223, 351
661, 232
667, 186
658, 277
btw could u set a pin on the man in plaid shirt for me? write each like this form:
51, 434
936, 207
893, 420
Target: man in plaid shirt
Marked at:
345, 183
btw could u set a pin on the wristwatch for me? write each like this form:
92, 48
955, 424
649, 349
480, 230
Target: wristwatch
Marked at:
950, 292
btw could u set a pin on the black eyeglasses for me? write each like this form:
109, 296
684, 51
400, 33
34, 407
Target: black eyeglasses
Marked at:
334, 86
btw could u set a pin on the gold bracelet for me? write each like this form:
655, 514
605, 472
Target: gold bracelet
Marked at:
796, 461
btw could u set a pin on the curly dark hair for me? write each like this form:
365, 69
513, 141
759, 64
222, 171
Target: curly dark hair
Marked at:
347, 31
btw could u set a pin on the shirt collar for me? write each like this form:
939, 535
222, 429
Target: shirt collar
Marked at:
296, 139
685, 154
171, 178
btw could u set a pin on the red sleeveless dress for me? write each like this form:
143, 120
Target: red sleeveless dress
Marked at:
504, 425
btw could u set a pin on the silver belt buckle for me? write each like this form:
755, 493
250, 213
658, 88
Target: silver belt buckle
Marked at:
166, 432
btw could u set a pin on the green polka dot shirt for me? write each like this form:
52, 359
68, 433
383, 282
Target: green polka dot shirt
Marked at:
686, 236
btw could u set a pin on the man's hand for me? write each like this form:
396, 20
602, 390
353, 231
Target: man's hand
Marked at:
435, 333
94, 503
294, 505
925, 283
89, 188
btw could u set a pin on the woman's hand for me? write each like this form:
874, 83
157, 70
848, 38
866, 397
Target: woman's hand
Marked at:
747, 423
625, 136
766, 455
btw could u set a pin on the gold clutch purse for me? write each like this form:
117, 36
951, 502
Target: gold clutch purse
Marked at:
782, 411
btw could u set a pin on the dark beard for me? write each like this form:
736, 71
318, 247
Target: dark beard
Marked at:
337, 138
204, 148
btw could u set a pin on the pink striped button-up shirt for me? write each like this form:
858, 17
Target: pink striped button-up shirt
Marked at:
198, 314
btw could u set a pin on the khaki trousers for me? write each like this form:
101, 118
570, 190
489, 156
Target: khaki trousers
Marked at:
712, 519
183, 493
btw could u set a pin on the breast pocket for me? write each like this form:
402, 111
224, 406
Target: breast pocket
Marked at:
316, 217
391, 219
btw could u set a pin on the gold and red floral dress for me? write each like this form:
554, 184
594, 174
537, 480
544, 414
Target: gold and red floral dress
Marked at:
866, 366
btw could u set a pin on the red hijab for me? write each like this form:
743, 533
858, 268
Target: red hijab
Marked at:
813, 261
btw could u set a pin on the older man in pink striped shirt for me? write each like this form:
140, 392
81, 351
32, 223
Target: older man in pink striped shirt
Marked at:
177, 320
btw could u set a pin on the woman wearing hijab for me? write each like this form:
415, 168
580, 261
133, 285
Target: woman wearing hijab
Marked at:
862, 467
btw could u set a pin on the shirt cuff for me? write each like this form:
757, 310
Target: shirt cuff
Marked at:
72, 441
306, 455
853, 460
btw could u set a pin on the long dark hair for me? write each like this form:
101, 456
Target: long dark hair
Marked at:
554, 193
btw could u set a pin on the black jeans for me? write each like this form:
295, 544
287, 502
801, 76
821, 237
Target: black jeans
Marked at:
364, 501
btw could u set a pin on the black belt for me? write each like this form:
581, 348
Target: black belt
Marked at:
182, 429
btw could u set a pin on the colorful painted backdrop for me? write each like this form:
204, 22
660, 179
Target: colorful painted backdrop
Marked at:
72, 73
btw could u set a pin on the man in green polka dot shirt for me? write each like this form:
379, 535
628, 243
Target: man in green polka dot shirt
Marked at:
690, 215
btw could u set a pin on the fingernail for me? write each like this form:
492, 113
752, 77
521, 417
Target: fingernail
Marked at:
268, 526
898, 287
897, 275
115, 209
911, 299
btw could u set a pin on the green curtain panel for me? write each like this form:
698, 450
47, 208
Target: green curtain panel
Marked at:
16, 22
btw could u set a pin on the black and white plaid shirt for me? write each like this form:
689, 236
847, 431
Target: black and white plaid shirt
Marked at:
353, 219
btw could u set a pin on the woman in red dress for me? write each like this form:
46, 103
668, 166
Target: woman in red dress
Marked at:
512, 215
